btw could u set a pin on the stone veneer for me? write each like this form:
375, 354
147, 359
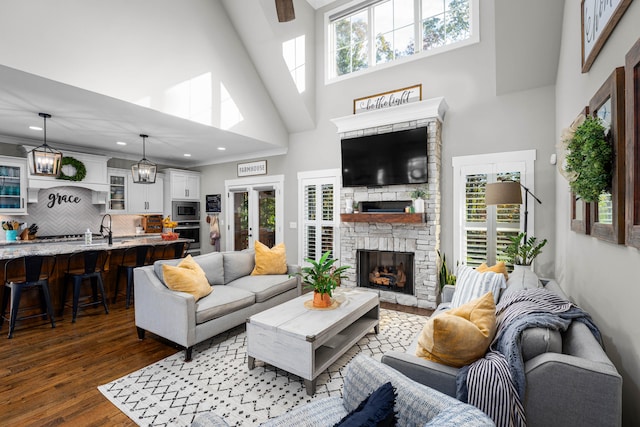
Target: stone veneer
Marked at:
422, 239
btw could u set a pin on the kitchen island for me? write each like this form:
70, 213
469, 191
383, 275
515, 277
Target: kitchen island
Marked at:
63, 248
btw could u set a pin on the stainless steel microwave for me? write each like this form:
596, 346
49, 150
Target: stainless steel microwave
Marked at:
185, 211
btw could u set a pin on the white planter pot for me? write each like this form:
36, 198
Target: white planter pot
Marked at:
348, 206
418, 205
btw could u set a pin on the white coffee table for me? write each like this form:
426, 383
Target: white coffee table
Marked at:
305, 342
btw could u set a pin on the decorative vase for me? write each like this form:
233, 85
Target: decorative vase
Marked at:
418, 205
321, 300
348, 206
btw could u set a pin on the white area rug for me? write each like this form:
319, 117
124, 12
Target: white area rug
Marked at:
172, 392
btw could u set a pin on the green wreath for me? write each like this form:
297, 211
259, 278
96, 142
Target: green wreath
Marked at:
591, 158
81, 171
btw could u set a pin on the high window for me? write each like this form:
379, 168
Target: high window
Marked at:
367, 34
481, 232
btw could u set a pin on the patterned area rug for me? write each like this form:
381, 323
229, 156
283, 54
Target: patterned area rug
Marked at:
172, 392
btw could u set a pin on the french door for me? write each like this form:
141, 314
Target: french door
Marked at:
255, 212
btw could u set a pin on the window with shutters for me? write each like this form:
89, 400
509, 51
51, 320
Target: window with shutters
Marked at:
483, 231
319, 215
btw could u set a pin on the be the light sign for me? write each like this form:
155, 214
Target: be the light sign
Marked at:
388, 99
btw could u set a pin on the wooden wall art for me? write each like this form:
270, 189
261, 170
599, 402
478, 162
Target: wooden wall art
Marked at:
632, 77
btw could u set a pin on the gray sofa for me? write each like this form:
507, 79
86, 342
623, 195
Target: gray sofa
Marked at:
570, 381
236, 295
415, 404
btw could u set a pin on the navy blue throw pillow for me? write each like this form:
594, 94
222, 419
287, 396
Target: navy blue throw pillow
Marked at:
375, 411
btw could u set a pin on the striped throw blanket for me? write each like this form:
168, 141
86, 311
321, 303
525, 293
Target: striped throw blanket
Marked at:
496, 383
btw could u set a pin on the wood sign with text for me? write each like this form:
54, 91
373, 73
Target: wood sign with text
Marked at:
389, 99
599, 18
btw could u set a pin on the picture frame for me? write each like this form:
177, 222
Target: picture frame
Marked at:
252, 168
632, 108
213, 203
598, 19
580, 210
608, 104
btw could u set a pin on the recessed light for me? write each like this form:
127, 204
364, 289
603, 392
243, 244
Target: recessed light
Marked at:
35, 128
222, 148
121, 143
187, 155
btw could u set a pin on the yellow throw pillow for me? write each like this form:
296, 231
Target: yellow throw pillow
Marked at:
270, 261
459, 336
499, 267
188, 277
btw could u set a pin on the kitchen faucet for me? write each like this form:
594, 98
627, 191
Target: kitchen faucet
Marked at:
108, 229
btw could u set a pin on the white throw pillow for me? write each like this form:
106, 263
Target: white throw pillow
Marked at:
471, 284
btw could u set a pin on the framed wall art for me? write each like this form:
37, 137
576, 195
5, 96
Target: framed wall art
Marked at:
598, 19
632, 105
607, 214
580, 210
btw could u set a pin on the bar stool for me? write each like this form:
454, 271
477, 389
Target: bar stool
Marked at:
175, 250
94, 263
30, 276
127, 264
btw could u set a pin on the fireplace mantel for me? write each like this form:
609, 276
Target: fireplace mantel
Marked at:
427, 109
388, 218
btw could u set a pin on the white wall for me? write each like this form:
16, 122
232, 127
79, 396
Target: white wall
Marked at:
601, 277
135, 49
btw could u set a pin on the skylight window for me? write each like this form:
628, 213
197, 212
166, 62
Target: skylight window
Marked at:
365, 34
293, 52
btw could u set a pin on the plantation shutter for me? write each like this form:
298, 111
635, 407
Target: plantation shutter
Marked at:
487, 229
319, 217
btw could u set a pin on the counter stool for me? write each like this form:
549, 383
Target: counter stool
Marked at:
93, 264
175, 250
131, 258
29, 276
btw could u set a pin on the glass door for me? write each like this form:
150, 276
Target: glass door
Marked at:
255, 214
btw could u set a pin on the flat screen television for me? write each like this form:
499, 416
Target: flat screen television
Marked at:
385, 159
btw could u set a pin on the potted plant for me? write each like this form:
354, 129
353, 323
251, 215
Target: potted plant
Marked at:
445, 276
322, 277
523, 252
418, 195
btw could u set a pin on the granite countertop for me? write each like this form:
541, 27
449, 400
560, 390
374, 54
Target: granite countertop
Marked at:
9, 250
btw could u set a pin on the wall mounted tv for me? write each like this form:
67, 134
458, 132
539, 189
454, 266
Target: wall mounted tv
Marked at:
385, 159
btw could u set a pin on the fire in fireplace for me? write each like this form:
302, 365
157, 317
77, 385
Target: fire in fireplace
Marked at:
385, 270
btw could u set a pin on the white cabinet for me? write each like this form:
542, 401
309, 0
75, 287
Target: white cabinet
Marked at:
13, 186
184, 185
145, 198
117, 195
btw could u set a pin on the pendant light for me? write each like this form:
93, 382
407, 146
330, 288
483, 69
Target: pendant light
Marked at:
144, 172
46, 160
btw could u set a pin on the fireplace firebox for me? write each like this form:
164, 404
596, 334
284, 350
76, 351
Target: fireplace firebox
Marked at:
385, 270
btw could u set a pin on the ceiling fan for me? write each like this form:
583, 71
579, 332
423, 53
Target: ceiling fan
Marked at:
285, 10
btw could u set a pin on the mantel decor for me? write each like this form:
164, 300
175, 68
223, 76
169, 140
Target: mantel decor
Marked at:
389, 99
598, 19
80, 171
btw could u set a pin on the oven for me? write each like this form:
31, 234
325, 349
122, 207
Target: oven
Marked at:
190, 230
185, 211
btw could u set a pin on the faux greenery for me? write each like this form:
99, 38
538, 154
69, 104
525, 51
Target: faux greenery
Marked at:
524, 252
420, 193
591, 158
444, 274
81, 171
322, 276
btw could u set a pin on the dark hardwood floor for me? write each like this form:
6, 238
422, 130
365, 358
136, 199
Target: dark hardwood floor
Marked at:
49, 377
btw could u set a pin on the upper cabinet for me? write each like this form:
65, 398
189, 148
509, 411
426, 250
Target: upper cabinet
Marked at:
145, 198
117, 196
13, 186
182, 184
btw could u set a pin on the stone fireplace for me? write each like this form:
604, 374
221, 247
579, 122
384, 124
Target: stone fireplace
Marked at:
396, 237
